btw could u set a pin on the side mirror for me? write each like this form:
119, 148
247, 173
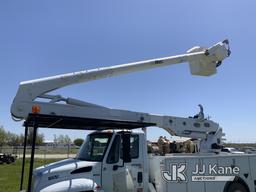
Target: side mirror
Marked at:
127, 148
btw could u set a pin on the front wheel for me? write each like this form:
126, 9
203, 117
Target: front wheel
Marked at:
237, 187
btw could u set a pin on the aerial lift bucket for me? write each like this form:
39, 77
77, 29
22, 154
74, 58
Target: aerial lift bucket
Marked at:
207, 66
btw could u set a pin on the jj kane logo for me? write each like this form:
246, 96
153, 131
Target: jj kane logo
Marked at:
212, 172
177, 173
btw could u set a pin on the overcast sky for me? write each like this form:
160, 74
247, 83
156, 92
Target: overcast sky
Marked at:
45, 38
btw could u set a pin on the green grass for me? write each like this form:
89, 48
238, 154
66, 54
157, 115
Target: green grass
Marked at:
240, 145
10, 174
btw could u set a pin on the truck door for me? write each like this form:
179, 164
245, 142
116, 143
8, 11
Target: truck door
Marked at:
113, 167
111, 164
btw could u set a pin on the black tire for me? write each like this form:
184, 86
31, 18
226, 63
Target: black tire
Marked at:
8, 160
236, 187
12, 159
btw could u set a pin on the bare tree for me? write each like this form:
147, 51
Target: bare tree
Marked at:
2, 136
39, 137
63, 139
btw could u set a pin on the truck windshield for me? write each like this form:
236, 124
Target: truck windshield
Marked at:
94, 147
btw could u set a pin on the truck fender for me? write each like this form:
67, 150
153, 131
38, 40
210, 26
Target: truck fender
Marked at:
71, 185
236, 180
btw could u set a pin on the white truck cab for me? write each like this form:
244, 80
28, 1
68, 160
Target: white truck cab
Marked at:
98, 165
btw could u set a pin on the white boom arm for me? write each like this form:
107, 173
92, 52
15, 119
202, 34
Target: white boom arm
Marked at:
202, 62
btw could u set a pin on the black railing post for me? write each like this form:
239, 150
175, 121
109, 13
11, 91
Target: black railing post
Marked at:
24, 156
32, 155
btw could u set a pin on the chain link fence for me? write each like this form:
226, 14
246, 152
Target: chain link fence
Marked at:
43, 152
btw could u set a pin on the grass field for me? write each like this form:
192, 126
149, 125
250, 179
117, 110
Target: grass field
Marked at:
10, 174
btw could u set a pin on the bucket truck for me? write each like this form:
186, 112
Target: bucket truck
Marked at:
114, 157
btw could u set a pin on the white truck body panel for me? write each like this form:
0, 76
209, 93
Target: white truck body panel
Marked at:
159, 164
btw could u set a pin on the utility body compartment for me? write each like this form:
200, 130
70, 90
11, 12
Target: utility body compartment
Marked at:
201, 172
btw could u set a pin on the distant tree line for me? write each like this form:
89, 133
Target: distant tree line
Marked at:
12, 139
61, 139
65, 139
